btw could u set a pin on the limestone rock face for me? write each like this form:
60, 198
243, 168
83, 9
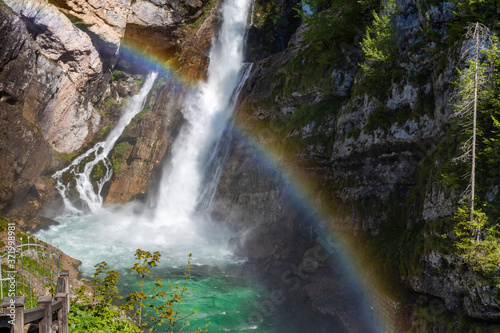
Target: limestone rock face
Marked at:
153, 20
256, 207
369, 162
67, 78
104, 18
459, 288
154, 23
195, 45
25, 153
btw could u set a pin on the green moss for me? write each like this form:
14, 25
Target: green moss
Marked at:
4, 223
199, 21
306, 113
376, 83
117, 74
159, 82
111, 101
65, 157
136, 118
354, 133
139, 82
118, 155
97, 171
384, 118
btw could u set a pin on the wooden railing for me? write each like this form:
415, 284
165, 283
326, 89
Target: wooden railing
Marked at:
15, 316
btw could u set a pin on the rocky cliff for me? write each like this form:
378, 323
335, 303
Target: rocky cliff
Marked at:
365, 143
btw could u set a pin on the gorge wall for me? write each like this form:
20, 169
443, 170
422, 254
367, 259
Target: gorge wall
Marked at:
369, 145
366, 144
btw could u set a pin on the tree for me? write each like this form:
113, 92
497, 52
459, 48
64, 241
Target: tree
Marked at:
97, 313
378, 43
485, 11
169, 310
332, 24
145, 261
473, 78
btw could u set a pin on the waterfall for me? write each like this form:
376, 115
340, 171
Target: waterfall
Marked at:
81, 167
208, 111
218, 156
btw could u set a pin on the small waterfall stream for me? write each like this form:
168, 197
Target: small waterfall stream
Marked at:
81, 167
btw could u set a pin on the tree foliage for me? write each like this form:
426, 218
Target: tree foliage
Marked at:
332, 23
472, 82
94, 309
169, 311
378, 44
476, 225
483, 11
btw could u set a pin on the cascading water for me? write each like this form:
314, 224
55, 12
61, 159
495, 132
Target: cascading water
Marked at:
81, 168
172, 223
219, 154
207, 113
188, 181
195, 163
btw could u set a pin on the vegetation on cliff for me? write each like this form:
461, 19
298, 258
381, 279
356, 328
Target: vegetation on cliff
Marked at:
299, 120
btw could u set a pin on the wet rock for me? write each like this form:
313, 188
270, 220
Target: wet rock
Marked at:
152, 135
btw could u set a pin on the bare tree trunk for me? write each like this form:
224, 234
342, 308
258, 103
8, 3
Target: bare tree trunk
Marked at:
474, 122
476, 37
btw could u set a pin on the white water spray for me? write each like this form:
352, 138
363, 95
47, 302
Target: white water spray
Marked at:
89, 194
207, 113
170, 225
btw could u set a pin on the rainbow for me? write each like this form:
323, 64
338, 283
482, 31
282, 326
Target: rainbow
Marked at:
301, 189
304, 193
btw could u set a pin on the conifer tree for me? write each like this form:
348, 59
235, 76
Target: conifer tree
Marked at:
472, 79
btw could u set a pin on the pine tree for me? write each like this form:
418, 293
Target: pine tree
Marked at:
472, 79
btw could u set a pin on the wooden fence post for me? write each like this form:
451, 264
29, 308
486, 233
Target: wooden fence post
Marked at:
62, 314
63, 286
45, 325
14, 308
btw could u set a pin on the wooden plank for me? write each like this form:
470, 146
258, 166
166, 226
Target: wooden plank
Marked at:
56, 305
61, 285
33, 314
14, 308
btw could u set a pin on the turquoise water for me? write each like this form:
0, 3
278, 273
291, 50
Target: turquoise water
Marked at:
227, 303
223, 293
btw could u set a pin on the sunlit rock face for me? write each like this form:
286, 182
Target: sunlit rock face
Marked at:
67, 78
180, 31
25, 153
151, 23
104, 19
